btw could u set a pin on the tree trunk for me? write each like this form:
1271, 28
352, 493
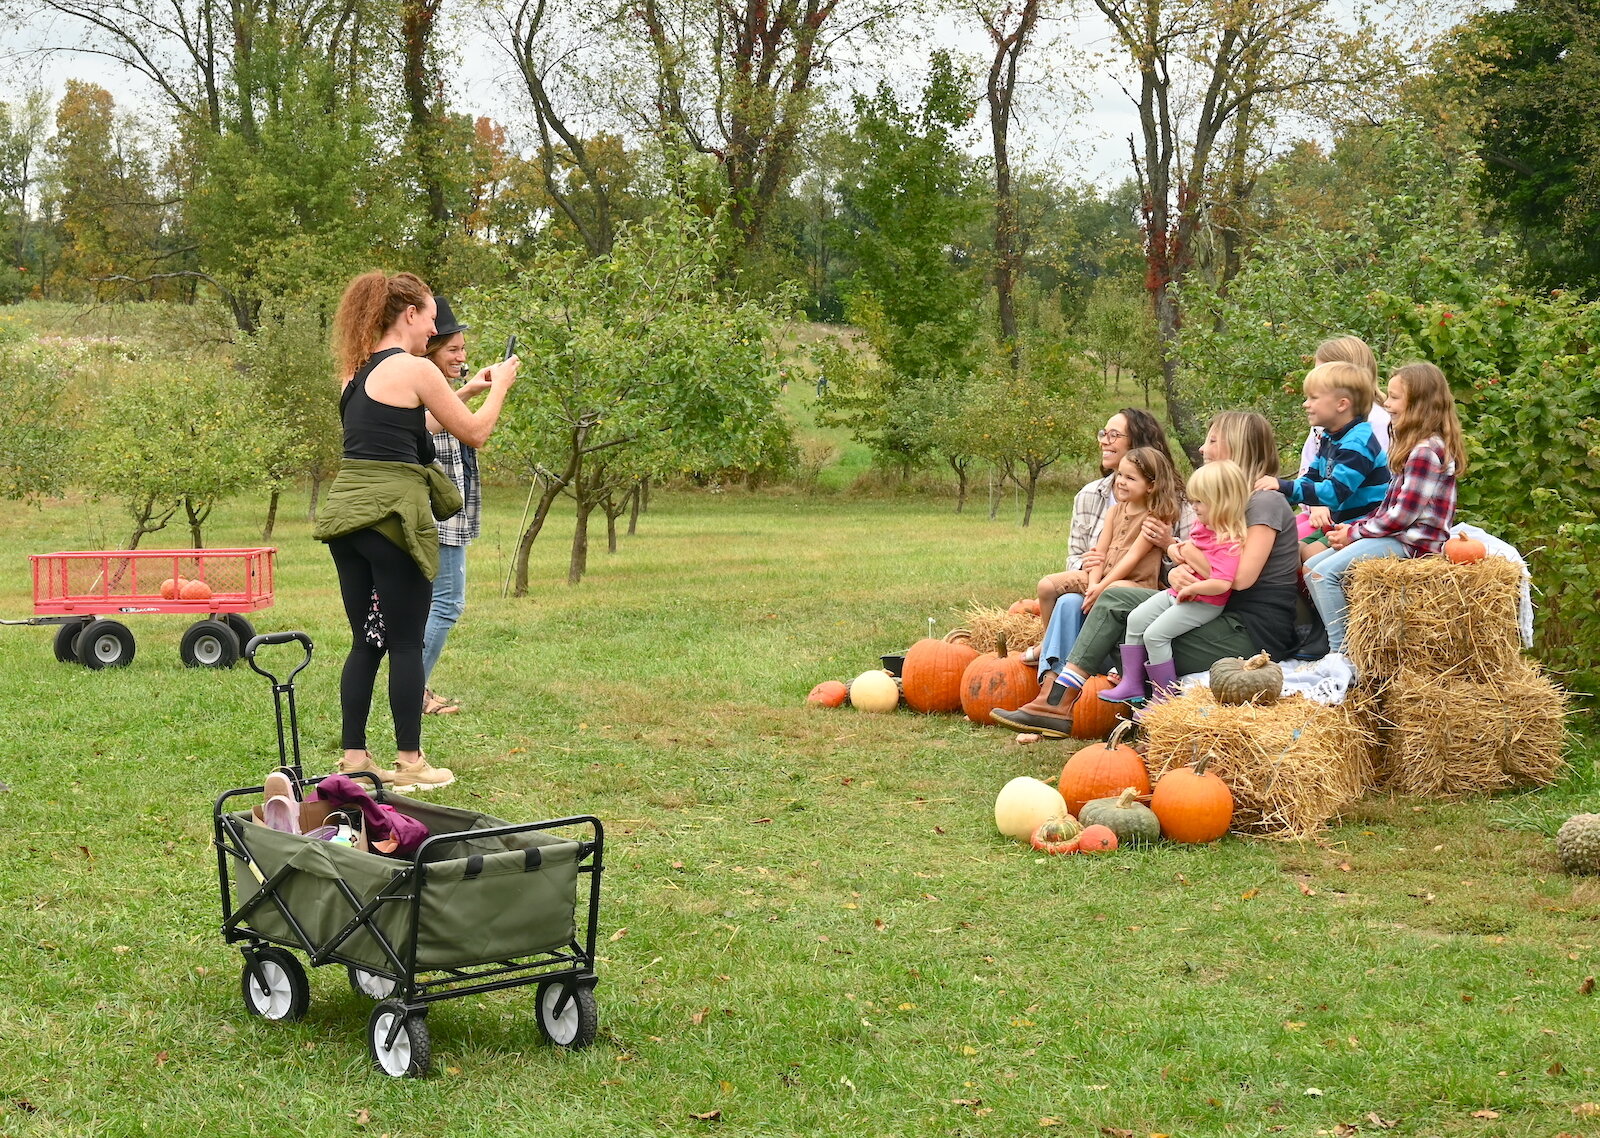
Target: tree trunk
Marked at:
644, 495
960, 465
197, 517
316, 492
1000, 93
551, 490
579, 565
633, 508
418, 19
1030, 491
144, 515
996, 488
272, 515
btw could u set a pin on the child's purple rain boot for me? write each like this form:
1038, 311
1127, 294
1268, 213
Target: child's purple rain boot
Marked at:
1132, 685
1163, 679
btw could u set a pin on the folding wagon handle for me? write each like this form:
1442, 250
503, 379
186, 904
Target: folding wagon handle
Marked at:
257, 642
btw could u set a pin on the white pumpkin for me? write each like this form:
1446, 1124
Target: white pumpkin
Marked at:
874, 691
1024, 804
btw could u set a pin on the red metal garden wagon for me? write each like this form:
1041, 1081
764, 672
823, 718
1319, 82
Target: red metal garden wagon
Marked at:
80, 591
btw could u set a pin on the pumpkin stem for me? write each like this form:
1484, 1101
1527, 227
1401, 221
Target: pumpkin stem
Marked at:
1000, 644
1200, 765
958, 635
1125, 799
1257, 662
1118, 732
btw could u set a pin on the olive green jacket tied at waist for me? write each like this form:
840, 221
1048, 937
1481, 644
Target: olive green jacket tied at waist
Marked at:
398, 499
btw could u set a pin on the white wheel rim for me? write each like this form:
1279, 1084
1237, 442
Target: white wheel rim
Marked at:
565, 1029
371, 984
394, 1060
208, 650
107, 648
274, 1002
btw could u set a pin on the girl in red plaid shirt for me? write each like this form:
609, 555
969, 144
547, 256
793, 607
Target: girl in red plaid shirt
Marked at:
1427, 455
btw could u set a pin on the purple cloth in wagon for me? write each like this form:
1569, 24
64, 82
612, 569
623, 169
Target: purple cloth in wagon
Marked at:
383, 822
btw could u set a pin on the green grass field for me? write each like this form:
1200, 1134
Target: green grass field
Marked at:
809, 923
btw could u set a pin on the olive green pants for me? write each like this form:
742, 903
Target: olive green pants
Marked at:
1105, 630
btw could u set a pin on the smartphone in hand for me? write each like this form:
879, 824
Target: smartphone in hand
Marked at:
511, 347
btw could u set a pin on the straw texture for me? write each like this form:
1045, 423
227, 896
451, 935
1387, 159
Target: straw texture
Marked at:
1452, 735
1023, 630
1429, 614
1292, 766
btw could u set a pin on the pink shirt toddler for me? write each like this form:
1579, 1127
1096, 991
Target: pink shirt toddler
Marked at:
1222, 556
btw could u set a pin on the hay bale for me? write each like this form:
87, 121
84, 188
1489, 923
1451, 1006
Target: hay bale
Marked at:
1453, 735
1292, 766
1430, 614
1023, 629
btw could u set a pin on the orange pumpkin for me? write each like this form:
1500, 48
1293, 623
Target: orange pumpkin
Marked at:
195, 591
1464, 550
171, 587
931, 678
1027, 605
829, 693
996, 680
1192, 804
1103, 770
1093, 717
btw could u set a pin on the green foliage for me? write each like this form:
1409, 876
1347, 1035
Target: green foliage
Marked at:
287, 361
36, 432
163, 439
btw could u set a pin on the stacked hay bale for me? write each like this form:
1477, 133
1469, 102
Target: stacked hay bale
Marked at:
1022, 629
1292, 765
1438, 650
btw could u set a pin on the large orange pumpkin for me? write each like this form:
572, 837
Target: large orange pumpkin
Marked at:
1103, 770
1192, 804
996, 679
1093, 717
931, 677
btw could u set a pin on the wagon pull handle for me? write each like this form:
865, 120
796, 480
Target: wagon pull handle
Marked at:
258, 642
282, 688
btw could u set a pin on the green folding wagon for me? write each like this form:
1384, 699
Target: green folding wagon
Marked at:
483, 904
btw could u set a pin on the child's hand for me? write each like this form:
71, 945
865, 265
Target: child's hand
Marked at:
1321, 517
1187, 593
1339, 536
1266, 482
1092, 594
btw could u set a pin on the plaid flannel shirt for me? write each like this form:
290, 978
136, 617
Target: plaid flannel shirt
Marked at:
1421, 503
461, 529
1089, 511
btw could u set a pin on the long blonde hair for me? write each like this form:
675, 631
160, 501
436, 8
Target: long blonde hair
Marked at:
1165, 500
1225, 491
371, 303
1251, 445
1430, 410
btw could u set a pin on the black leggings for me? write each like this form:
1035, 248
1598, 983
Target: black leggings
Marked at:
366, 560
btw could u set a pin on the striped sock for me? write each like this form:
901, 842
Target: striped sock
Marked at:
1058, 690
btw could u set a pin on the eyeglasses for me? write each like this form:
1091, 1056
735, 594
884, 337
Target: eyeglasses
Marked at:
1106, 436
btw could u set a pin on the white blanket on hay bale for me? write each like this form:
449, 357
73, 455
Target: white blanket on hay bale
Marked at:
1327, 680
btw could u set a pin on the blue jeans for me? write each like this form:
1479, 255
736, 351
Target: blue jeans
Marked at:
449, 598
1061, 632
1325, 577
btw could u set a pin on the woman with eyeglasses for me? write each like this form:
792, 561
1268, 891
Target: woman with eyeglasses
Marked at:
1129, 429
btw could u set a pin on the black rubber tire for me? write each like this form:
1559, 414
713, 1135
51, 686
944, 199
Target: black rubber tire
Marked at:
105, 644
412, 1054
209, 644
67, 641
369, 984
288, 993
242, 628
579, 1020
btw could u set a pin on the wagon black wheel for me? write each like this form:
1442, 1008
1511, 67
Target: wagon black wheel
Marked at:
67, 642
370, 984
105, 644
578, 1019
242, 628
209, 644
274, 985
408, 1054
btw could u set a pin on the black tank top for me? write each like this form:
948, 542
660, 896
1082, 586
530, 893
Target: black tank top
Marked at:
374, 430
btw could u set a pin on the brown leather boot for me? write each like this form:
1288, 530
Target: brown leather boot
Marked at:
1039, 715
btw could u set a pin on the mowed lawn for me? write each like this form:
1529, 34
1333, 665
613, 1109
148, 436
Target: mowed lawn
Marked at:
809, 925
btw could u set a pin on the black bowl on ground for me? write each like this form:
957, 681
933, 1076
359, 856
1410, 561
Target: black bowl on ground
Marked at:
894, 663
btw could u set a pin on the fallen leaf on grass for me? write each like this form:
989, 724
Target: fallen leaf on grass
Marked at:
1587, 987
1380, 1122
1486, 1114
1249, 894
1306, 889
1049, 1121
1343, 867
161, 1058
24, 1105
1116, 1132
619, 934
706, 1116
1555, 1069
1312, 1092
1345, 1129
362, 1116
726, 1087
1291, 1025
1587, 1110
966, 1102
699, 1017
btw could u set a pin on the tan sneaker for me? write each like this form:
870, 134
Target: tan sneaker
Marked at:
420, 775
365, 765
